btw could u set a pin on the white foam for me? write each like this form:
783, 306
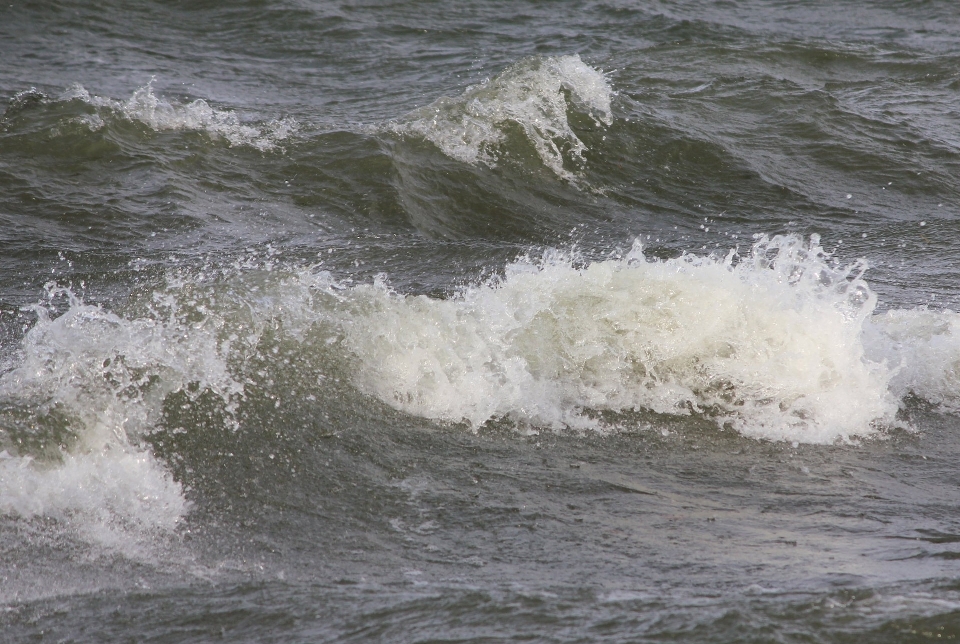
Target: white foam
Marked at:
529, 94
105, 494
770, 345
777, 343
106, 376
163, 114
923, 349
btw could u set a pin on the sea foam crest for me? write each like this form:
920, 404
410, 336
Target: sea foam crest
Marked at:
87, 387
922, 349
162, 114
768, 343
531, 95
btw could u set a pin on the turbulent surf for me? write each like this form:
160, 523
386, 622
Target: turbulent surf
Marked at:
337, 323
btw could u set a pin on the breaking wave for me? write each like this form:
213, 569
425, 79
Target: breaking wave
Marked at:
768, 343
533, 95
167, 114
779, 342
88, 387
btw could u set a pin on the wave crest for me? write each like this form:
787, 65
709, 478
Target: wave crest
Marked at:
532, 95
768, 343
161, 115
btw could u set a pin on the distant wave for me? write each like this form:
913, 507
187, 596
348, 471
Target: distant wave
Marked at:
161, 114
529, 95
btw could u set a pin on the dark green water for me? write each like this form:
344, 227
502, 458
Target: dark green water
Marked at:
496, 321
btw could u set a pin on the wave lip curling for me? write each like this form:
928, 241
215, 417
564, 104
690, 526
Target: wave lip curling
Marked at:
532, 95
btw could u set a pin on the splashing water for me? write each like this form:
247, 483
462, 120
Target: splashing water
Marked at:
88, 387
776, 343
768, 344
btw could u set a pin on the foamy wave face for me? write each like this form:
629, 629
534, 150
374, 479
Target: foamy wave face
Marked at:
159, 114
531, 95
88, 386
769, 345
108, 496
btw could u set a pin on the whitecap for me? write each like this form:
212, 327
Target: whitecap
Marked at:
162, 114
532, 95
768, 343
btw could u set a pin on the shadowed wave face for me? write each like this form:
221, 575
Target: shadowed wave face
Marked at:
343, 321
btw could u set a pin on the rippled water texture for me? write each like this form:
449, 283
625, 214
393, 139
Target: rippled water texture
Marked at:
479, 322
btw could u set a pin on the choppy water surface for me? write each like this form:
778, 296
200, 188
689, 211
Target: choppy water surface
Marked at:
495, 321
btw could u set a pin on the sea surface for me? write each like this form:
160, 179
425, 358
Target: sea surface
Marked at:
479, 321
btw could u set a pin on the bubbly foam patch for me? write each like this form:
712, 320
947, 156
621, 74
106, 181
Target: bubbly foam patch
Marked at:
161, 114
531, 95
768, 343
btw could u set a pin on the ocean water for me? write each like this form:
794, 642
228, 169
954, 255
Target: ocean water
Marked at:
483, 321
